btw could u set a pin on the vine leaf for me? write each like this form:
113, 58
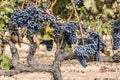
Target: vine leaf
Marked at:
68, 49
87, 3
47, 37
91, 5
5, 62
49, 32
49, 29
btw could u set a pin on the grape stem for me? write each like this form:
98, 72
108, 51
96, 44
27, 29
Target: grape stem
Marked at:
36, 2
77, 16
62, 40
22, 7
112, 43
69, 18
93, 24
1, 35
52, 5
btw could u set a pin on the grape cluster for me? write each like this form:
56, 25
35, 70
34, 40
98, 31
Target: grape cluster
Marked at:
98, 40
116, 24
48, 43
79, 3
68, 31
31, 18
94, 45
116, 35
116, 41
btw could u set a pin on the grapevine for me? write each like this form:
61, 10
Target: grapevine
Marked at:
33, 18
31, 21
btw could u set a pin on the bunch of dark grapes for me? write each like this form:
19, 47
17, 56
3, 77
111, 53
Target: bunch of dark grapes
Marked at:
31, 18
116, 35
79, 3
66, 31
82, 55
94, 45
72, 38
48, 43
98, 40
116, 24
116, 41
58, 31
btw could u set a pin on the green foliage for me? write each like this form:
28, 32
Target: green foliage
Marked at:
96, 13
68, 49
5, 62
60, 8
47, 37
107, 9
6, 9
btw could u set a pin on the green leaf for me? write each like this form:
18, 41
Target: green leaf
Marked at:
87, 3
8, 9
5, 62
46, 37
7, 20
91, 5
48, 28
2, 24
108, 11
67, 48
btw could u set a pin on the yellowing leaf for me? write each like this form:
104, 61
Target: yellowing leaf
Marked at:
48, 29
47, 37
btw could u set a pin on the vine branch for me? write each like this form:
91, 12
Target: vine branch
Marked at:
52, 5
53, 69
23, 4
77, 16
69, 18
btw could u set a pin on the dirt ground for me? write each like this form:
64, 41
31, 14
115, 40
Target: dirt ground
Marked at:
71, 69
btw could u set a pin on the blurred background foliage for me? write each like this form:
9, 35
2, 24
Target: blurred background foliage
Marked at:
6, 9
95, 14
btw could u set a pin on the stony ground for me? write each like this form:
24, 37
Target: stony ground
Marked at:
71, 69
